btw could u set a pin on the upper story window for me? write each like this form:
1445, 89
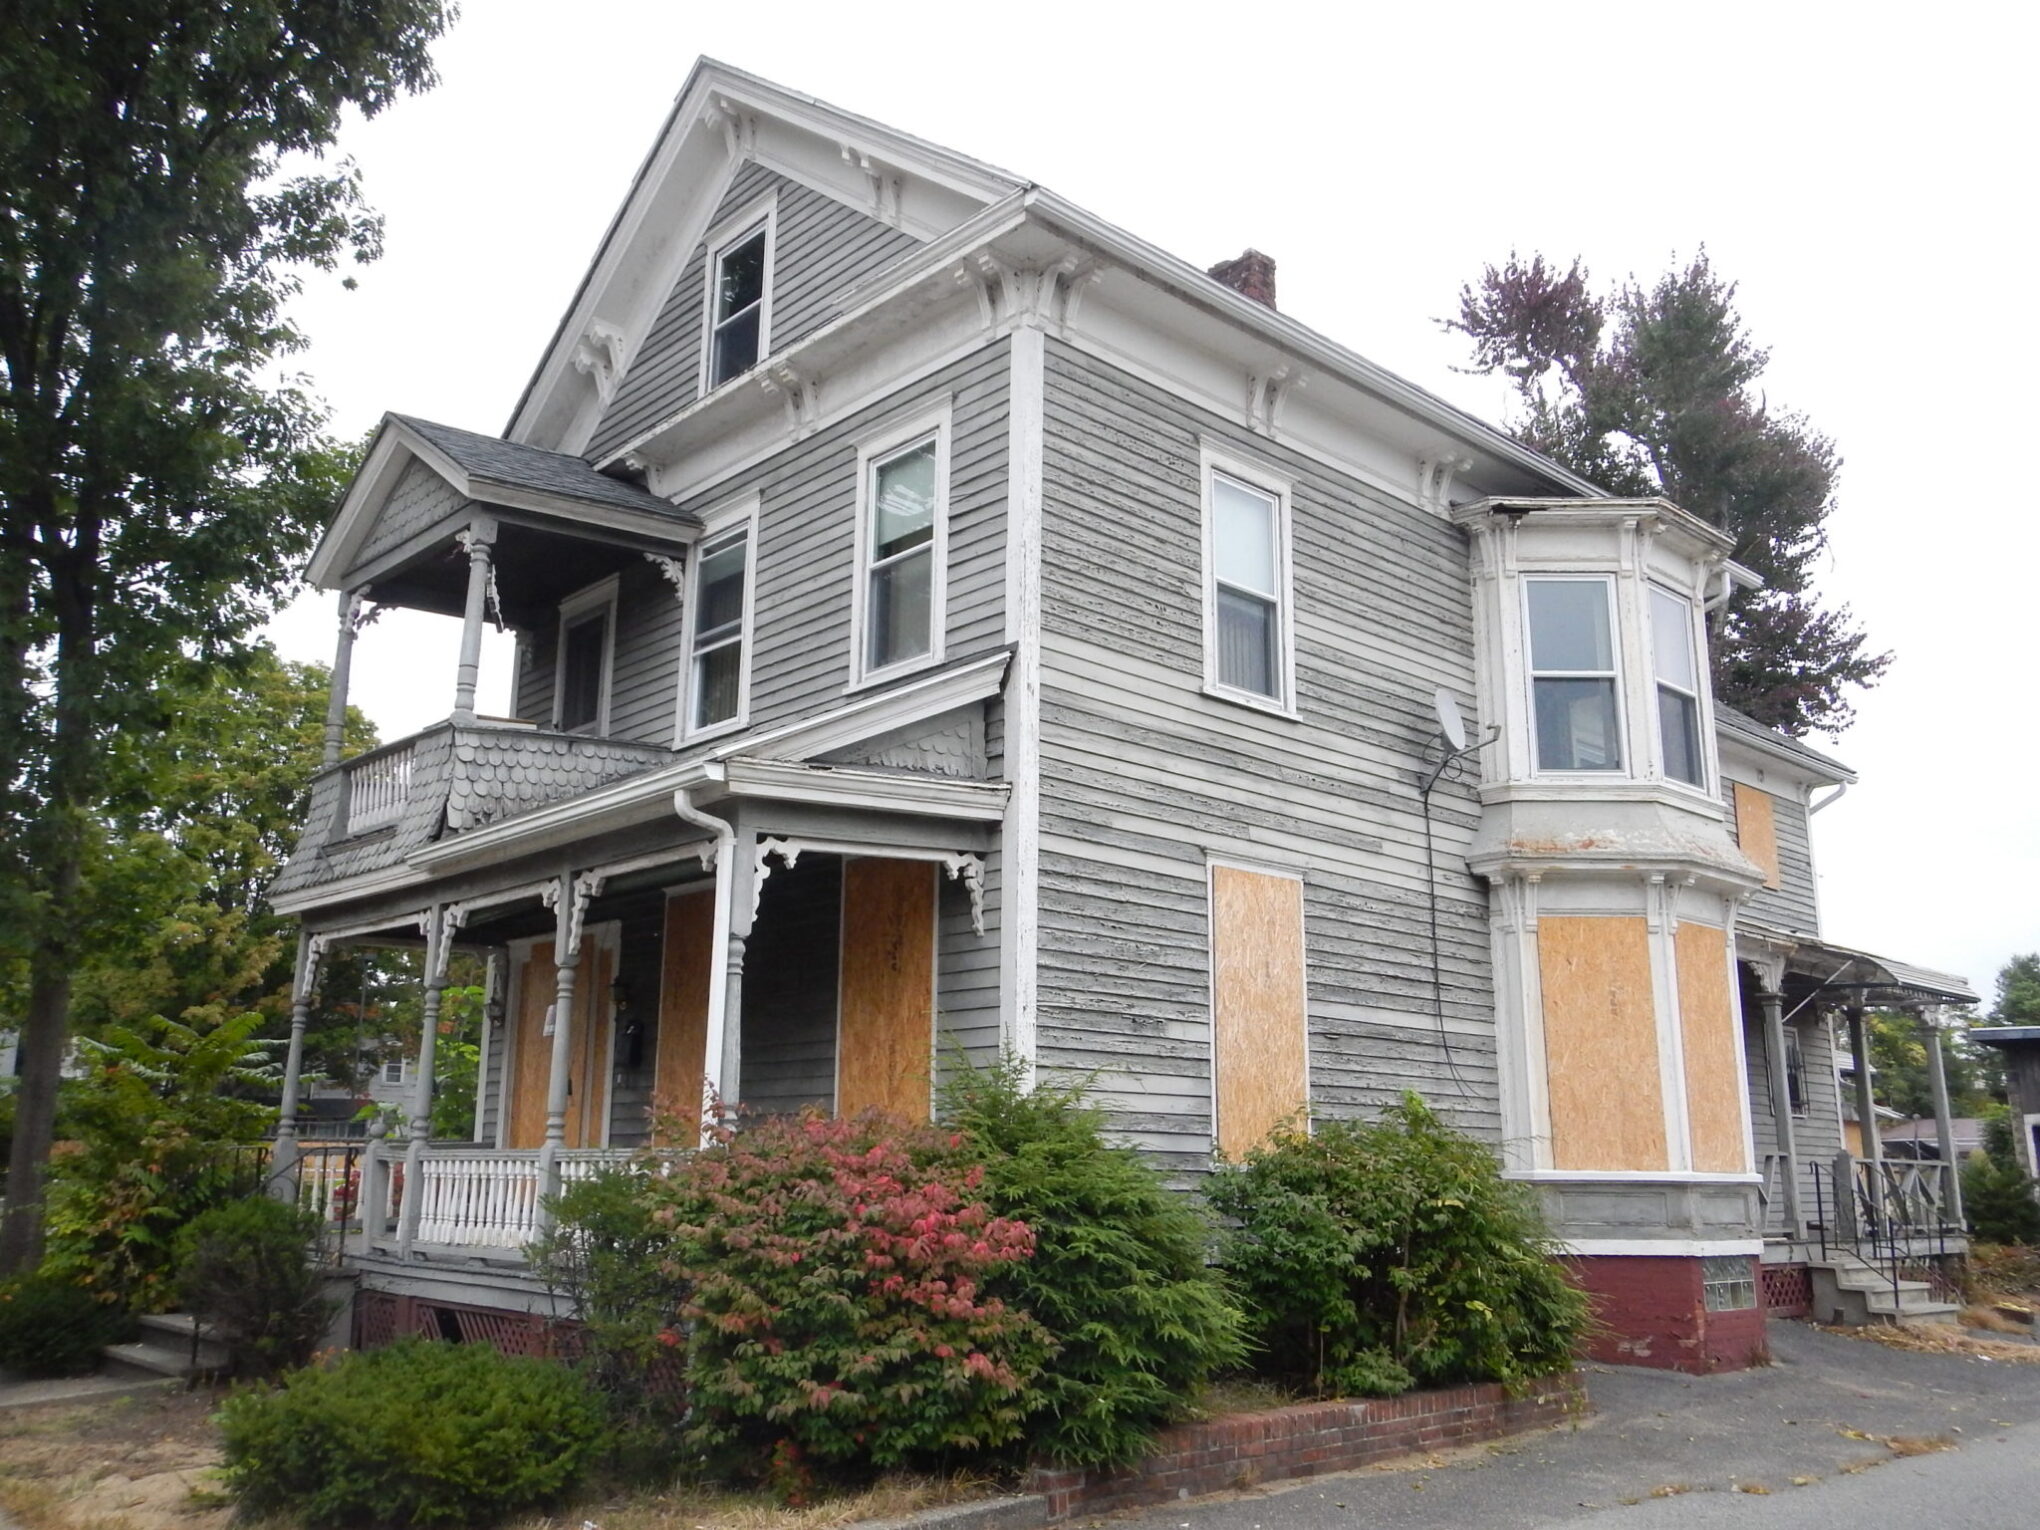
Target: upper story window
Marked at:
1675, 654
1574, 682
586, 655
902, 538
1247, 619
739, 316
718, 623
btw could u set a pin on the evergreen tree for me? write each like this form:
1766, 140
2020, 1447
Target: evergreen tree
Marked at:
1655, 391
160, 197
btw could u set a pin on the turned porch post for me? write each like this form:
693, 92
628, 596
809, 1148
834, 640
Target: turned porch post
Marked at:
570, 897
1929, 1017
1781, 1097
438, 923
1866, 1099
343, 663
743, 895
311, 951
479, 540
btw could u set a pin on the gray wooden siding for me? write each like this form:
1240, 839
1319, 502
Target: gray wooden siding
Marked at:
790, 989
807, 541
1817, 1131
644, 675
820, 247
420, 498
1142, 775
1793, 905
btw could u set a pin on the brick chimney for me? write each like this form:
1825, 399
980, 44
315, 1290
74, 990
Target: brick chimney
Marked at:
1252, 274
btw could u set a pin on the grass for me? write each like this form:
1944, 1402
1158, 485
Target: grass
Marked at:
131, 1463
1940, 1339
700, 1509
1990, 1320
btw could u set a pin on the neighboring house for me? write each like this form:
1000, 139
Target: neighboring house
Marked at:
948, 625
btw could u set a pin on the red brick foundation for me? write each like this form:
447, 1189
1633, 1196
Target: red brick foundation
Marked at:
1652, 1311
1307, 1441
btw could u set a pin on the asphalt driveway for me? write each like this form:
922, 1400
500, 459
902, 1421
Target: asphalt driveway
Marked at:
1804, 1442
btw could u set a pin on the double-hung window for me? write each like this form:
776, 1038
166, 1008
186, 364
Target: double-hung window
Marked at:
586, 651
1573, 674
739, 300
902, 541
1246, 594
718, 630
1678, 686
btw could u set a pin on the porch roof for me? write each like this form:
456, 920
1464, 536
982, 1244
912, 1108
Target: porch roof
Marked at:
1863, 976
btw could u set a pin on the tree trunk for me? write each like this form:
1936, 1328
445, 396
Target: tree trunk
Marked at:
35, 1101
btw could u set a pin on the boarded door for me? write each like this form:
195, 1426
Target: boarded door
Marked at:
587, 1063
1601, 1044
885, 1034
1259, 1032
683, 1016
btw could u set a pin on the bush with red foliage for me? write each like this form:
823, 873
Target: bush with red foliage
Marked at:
837, 1311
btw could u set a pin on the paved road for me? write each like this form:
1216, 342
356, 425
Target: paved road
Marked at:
1666, 1452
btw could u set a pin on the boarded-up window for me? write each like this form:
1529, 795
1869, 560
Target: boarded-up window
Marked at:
588, 1050
1714, 1077
1601, 1044
1756, 829
885, 1037
1259, 1033
686, 954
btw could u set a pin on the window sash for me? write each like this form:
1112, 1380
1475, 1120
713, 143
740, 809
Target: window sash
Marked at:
1576, 708
1247, 582
719, 628
1675, 661
584, 645
902, 522
736, 329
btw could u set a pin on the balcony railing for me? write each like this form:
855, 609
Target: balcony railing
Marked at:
378, 787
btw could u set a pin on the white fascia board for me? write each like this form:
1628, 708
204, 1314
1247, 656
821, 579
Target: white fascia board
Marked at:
1663, 1248
1569, 511
848, 786
1186, 281
368, 884
1817, 771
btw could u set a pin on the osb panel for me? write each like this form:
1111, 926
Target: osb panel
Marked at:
1600, 1044
1707, 1025
587, 1061
686, 954
1756, 829
1258, 1004
885, 1036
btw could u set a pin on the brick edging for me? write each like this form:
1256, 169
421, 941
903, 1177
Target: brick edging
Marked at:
1308, 1440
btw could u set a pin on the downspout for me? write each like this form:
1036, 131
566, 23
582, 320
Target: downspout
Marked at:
725, 836
1828, 801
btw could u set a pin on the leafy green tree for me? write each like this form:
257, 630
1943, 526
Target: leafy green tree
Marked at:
1657, 390
1898, 1051
161, 198
2018, 992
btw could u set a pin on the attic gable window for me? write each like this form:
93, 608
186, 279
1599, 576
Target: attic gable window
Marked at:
738, 304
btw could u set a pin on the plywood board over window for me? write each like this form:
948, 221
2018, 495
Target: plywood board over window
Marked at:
1756, 830
1600, 1044
886, 1027
685, 956
1714, 1075
1259, 1030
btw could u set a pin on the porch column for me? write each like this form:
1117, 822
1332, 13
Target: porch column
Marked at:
1866, 1101
311, 951
436, 933
1781, 1099
343, 663
1929, 1017
743, 895
479, 540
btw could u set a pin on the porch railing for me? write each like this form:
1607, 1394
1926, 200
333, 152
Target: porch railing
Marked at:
378, 786
477, 1198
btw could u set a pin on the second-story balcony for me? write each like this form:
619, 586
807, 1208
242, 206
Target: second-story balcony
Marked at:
370, 813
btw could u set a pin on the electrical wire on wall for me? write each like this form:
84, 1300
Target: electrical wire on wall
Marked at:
1451, 739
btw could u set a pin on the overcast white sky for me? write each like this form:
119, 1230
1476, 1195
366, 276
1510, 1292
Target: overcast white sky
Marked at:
1863, 171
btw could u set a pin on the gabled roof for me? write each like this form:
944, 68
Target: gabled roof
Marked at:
490, 462
1782, 746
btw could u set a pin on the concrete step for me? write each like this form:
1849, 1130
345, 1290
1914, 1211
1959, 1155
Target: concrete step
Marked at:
178, 1327
167, 1348
1883, 1310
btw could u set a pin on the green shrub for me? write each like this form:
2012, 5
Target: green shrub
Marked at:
1373, 1258
421, 1433
1998, 1198
838, 1309
245, 1268
50, 1326
1119, 1274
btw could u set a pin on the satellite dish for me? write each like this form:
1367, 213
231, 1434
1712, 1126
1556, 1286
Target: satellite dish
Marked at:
1450, 724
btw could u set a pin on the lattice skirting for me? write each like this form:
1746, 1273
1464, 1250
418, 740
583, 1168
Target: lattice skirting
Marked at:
1788, 1290
383, 1317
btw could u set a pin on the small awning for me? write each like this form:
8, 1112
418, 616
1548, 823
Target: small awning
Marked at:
1862, 977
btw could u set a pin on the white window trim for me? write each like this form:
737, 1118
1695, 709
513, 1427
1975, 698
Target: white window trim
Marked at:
601, 595
1702, 696
741, 512
1630, 754
734, 230
871, 452
1212, 459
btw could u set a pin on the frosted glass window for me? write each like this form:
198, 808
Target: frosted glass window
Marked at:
1573, 676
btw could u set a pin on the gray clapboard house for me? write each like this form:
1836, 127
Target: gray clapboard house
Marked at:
948, 625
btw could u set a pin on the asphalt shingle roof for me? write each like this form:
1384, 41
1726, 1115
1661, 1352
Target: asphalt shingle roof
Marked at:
490, 459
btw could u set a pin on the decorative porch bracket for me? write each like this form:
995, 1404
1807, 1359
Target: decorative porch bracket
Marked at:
965, 866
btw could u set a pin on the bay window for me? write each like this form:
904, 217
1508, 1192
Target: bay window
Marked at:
1674, 655
1574, 682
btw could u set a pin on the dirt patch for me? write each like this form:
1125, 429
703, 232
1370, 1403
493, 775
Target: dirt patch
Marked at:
132, 1463
1940, 1339
687, 1509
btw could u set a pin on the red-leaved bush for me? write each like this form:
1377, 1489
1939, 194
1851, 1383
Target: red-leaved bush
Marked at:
835, 1269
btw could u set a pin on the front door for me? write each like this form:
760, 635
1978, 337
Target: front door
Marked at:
588, 1058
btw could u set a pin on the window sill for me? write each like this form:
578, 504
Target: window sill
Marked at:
714, 731
1252, 702
893, 673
